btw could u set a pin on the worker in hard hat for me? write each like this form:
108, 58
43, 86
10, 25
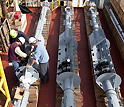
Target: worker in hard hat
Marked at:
15, 34
15, 54
41, 55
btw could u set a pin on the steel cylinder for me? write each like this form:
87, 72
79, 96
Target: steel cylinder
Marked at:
111, 94
68, 93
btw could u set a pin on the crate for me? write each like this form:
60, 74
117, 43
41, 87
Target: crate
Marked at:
33, 93
4, 36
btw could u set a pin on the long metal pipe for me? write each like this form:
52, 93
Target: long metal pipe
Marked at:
111, 94
42, 21
38, 33
66, 78
104, 71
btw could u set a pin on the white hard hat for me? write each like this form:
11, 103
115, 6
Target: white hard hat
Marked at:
22, 40
32, 40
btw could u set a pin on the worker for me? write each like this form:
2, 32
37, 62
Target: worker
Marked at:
15, 54
41, 55
15, 34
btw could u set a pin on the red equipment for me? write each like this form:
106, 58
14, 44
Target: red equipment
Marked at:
17, 15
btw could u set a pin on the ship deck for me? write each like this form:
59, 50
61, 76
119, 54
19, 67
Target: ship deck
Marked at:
47, 92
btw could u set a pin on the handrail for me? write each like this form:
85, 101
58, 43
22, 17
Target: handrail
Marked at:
7, 1
53, 2
3, 82
32, 4
0, 12
8, 5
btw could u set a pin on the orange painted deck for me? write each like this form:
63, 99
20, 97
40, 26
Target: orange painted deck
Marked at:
47, 92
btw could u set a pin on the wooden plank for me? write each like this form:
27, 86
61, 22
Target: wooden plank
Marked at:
19, 93
4, 46
1, 44
6, 28
33, 94
31, 105
4, 35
